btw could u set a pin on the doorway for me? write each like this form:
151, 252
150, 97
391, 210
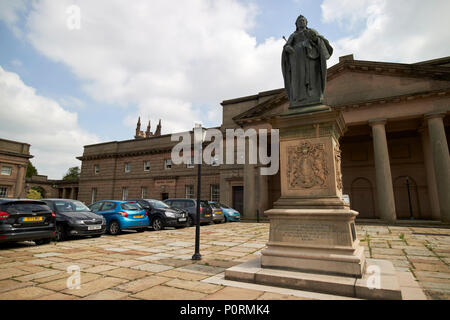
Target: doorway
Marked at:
238, 199
406, 198
164, 196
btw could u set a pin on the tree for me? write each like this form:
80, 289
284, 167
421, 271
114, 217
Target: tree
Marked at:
34, 194
72, 174
31, 170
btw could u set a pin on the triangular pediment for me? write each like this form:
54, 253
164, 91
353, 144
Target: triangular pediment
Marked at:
358, 81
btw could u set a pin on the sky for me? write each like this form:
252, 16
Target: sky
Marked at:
80, 72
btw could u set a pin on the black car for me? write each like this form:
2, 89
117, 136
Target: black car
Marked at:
190, 205
162, 215
73, 218
25, 220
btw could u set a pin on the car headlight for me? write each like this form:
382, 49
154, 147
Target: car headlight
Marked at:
73, 221
170, 214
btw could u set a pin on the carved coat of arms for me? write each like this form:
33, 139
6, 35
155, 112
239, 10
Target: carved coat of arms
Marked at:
307, 166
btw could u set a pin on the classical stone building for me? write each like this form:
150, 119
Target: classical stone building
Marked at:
395, 158
14, 158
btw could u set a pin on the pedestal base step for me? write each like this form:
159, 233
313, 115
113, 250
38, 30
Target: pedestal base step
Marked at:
380, 282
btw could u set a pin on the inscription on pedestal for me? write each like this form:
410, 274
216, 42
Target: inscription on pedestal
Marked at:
312, 233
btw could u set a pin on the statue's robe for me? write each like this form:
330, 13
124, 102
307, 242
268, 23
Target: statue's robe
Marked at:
305, 71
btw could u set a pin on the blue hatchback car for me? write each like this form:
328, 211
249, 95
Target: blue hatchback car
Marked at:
121, 215
229, 213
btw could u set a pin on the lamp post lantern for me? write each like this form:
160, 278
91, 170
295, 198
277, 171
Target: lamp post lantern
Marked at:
199, 138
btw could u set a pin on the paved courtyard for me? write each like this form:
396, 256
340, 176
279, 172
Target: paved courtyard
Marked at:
157, 265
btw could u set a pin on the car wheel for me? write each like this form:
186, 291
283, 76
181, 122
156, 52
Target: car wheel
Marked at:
114, 228
190, 222
157, 224
60, 233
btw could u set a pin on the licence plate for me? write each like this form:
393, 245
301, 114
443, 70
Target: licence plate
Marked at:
139, 216
182, 219
32, 219
94, 227
207, 215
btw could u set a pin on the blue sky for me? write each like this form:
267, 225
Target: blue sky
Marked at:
61, 89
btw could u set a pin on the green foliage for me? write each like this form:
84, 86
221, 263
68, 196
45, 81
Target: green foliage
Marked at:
34, 194
31, 170
72, 174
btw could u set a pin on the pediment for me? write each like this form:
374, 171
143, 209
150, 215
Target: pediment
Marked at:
355, 87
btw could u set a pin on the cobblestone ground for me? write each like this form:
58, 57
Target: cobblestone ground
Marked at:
158, 265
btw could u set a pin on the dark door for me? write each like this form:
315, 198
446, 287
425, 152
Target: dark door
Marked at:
238, 199
164, 196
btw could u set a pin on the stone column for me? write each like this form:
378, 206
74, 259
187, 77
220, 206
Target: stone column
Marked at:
385, 189
263, 196
249, 192
20, 182
431, 177
441, 161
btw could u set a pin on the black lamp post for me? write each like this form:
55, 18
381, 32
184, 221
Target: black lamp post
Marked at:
198, 130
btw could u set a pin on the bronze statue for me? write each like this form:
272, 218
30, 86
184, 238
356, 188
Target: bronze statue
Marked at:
304, 65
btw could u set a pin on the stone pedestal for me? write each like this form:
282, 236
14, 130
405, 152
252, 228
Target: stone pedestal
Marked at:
311, 228
312, 243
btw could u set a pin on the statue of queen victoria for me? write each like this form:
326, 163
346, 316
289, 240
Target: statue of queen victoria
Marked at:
304, 65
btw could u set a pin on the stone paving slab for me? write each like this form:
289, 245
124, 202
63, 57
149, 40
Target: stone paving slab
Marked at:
158, 265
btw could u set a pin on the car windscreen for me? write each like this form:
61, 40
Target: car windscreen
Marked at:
224, 206
158, 204
18, 207
130, 206
70, 206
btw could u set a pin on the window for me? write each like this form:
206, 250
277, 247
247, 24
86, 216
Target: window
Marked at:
190, 191
215, 192
143, 192
109, 206
190, 165
6, 171
96, 169
94, 195
127, 167
3, 192
178, 204
146, 165
96, 207
124, 194
168, 164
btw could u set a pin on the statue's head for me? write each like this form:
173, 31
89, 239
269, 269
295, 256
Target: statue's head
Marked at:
301, 22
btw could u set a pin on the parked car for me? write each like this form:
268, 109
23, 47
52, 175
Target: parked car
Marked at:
229, 213
24, 220
218, 216
74, 218
161, 215
121, 215
190, 205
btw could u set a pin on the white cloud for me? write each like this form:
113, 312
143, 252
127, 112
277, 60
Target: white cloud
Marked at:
400, 31
168, 59
53, 132
9, 13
